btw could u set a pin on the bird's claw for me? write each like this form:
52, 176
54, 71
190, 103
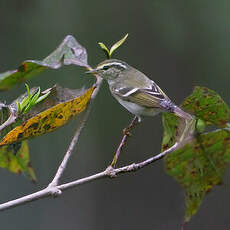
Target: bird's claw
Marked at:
126, 132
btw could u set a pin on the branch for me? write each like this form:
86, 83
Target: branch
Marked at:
12, 118
126, 134
74, 141
70, 149
110, 172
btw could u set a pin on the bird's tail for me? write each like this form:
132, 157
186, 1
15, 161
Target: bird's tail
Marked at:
187, 123
182, 114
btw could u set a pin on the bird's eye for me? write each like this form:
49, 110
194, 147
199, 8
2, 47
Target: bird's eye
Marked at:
105, 67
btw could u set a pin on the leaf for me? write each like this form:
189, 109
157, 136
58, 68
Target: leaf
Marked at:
29, 101
15, 158
207, 105
24, 72
106, 50
202, 162
48, 120
200, 165
117, 45
113, 48
41, 98
171, 130
68, 52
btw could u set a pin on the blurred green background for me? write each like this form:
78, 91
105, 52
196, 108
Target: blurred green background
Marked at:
179, 44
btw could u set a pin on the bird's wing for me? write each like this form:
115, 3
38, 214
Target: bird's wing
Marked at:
147, 97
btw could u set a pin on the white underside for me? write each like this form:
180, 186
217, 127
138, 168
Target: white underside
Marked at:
137, 109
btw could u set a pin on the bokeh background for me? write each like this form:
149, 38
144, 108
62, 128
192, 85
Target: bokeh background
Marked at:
179, 44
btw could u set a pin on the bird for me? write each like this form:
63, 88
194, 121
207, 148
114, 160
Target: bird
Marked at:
136, 92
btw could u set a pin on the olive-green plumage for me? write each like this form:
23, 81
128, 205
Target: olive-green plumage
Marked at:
135, 91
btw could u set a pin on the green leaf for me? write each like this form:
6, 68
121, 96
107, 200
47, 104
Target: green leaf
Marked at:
23, 104
41, 98
207, 105
113, 48
200, 126
202, 162
28, 101
28, 90
19, 107
171, 125
117, 45
200, 165
106, 50
69, 52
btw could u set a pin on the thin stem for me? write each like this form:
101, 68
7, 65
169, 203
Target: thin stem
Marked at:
12, 118
75, 138
126, 134
70, 149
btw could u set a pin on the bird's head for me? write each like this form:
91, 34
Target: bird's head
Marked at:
110, 69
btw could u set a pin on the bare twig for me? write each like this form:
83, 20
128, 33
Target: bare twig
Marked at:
12, 118
109, 172
74, 141
70, 149
126, 134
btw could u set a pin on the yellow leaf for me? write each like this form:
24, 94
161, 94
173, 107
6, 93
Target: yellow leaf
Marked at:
48, 120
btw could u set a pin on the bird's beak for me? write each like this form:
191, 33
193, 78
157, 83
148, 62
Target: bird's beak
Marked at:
92, 71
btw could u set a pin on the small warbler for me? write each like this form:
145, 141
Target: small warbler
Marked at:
135, 91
